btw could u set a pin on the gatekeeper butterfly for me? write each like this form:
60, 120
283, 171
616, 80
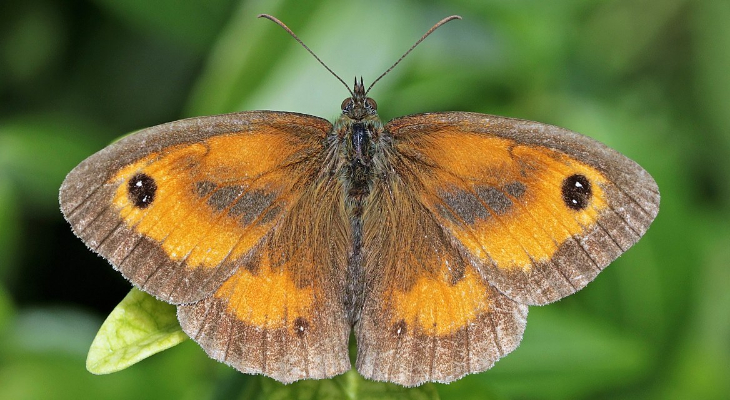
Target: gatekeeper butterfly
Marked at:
276, 234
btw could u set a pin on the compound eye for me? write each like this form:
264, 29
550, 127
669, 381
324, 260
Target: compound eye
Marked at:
371, 104
347, 104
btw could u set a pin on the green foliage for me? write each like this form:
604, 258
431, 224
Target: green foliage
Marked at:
139, 327
647, 77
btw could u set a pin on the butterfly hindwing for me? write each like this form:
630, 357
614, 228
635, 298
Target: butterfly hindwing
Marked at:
427, 312
281, 314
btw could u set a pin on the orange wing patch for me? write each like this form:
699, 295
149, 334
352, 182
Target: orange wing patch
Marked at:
194, 217
440, 307
266, 299
505, 202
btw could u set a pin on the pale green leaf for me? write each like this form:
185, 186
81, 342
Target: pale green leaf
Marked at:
137, 328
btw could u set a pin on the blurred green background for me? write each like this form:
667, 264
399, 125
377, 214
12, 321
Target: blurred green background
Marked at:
647, 77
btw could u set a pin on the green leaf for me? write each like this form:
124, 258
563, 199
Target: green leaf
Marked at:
137, 328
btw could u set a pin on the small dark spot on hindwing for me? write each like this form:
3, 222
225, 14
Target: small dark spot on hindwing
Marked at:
301, 326
400, 328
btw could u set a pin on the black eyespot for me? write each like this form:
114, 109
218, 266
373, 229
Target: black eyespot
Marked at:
576, 192
141, 190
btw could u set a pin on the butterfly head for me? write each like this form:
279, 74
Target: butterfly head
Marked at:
359, 107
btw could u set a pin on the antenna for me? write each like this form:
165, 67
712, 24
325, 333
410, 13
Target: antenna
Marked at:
286, 28
425, 35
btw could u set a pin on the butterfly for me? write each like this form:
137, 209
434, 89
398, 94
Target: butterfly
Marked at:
277, 234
